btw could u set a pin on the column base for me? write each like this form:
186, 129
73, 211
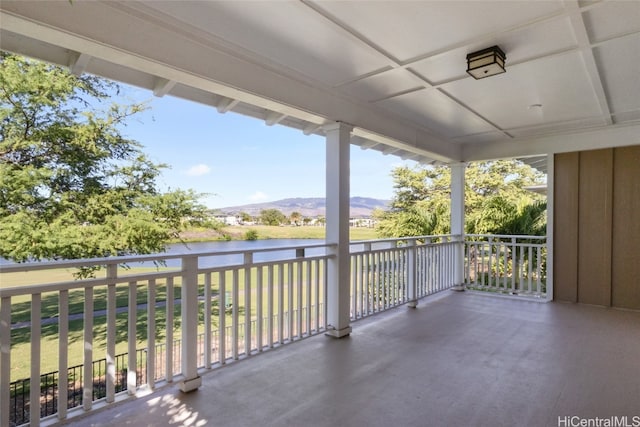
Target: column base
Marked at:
458, 288
338, 333
190, 385
412, 304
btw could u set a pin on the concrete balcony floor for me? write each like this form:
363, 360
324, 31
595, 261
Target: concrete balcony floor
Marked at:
458, 359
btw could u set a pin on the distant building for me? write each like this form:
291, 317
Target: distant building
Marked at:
228, 219
362, 222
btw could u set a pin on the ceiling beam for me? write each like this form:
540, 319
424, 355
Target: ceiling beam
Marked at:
311, 128
274, 118
163, 86
78, 63
584, 44
390, 150
225, 104
588, 139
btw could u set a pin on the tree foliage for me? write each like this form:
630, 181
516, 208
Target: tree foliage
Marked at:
272, 217
295, 218
495, 200
71, 185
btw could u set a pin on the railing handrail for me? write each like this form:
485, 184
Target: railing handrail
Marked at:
402, 239
506, 236
117, 260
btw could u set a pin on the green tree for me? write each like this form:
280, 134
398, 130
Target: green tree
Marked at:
494, 194
71, 185
295, 218
272, 217
245, 217
251, 235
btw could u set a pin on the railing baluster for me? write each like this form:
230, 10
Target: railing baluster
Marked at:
259, 311
110, 374
222, 317
318, 280
36, 328
87, 387
63, 353
387, 278
151, 333
234, 313
529, 278
298, 288
290, 311
538, 271
270, 304
208, 301
248, 261
132, 338
170, 299
281, 303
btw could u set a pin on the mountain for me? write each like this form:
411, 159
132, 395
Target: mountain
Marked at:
308, 206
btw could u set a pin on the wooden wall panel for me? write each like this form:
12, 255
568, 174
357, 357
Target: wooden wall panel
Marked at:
565, 251
594, 226
625, 275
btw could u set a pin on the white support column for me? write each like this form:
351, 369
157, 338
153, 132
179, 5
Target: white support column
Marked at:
337, 232
550, 212
457, 222
192, 381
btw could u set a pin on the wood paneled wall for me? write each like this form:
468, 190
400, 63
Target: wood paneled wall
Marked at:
597, 227
625, 255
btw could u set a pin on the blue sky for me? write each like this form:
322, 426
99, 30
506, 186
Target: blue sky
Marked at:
239, 160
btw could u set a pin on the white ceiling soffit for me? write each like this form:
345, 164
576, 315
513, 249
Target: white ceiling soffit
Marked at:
393, 70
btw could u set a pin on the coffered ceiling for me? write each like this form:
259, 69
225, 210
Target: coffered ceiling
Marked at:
395, 70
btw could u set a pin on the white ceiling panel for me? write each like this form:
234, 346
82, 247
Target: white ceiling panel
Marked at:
434, 110
611, 19
288, 33
519, 45
408, 29
481, 138
383, 85
627, 116
559, 83
619, 62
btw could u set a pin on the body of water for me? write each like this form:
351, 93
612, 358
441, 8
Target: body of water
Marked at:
233, 245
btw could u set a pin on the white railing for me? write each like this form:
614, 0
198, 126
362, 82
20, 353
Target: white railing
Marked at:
513, 265
209, 309
218, 312
391, 272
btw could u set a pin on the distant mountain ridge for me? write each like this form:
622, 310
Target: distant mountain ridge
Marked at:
360, 207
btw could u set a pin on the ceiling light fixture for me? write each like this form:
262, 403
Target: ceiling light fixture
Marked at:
486, 62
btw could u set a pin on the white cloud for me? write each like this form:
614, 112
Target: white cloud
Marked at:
258, 196
198, 170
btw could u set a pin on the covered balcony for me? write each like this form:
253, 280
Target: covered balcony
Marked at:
391, 77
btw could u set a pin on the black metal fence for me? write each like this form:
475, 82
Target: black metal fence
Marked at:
49, 383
